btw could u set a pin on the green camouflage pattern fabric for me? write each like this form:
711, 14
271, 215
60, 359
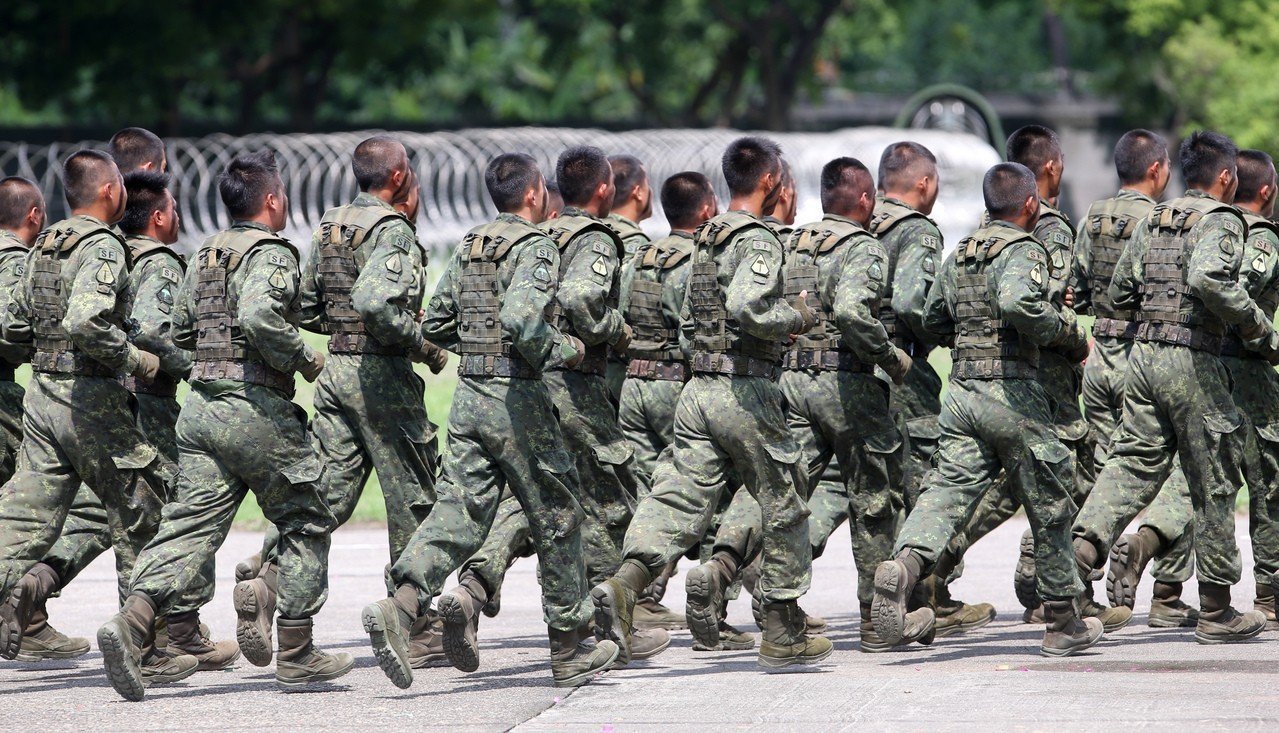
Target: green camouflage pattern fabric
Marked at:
734, 426
1178, 400
508, 540
503, 435
993, 425
79, 428
236, 437
13, 255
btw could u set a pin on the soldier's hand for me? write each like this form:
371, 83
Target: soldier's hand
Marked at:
624, 341
421, 315
578, 349
432, 356
899, 367
806, 313
311, 370
148, 366
1070, 298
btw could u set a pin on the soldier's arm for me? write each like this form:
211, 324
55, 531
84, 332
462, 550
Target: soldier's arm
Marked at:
1212, 275
531, 290
382, 291
626, 281
183, 326
1023, 297
270, 284
1260, 274
755, 293
939, 321
1058, 240
857, 291
15, 349
918, 254
440, 325
91, 300
158, 282
584, 291
1080, 270
312, 307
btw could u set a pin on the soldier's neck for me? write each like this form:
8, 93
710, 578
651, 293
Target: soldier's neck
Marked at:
1252, 207
94, 211
910, 198
1145, 188
753, 205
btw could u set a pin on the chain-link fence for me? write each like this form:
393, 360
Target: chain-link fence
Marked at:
317, 170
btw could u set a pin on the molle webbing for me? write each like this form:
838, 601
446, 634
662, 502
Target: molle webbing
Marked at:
823, 346
342, 236
653, 338
485, 348
986, 346
53, 351
714, 331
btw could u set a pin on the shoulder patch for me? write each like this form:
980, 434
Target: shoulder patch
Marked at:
393, 264
165, 296
402, 241
20, 269
1061, 239
105, 275
876, 272
600, 248
170, 274
1233, 227
931, 242
760, 266
278, 260
600, 267
106, 253
761, 245
277, 280
543, 253
1037, 274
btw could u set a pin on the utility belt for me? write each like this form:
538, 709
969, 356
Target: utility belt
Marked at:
595, 361
496, 365
665, 371
735, 364
992, 368
164, 385
821, 360
362, 343
249, 372
1115, 328
69, 362
1162, 332
1232, 345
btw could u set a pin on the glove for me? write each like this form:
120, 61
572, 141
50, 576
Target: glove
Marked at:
432, 356
806, 313
624, 341
148, 366
311, 370
900, 365
572, 351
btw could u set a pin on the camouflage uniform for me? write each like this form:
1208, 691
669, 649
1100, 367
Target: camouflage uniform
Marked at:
587, 307
1180, 269
995, 296
78, 424
730, 419
239, 431
632, 239
363, 285
13, 254
492, 307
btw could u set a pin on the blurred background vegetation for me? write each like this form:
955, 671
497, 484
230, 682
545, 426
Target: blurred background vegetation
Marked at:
191, 67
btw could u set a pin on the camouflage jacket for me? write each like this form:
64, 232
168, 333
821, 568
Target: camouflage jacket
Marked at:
153, 284
13, 255
917, 243
632, 236
1081, 277
588, 285
674, 282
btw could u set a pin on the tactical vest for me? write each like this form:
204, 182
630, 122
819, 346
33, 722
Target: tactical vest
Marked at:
1268, 298
888, 214
823, 346
720, 346
564, 231
485, 347
987, 346
54, 352
654, 337
220, 349
1170, 312
343, 232
1110, 225
164, 384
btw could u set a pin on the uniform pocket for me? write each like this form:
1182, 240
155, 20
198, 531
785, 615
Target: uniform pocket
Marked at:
787, 452
616, 453
558, 461
304, 473
877, 501
1262, 460
136, 458
1049, 451
423, 436
1226, 444
923, 428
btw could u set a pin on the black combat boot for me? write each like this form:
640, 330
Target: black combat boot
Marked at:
300, 664
615, 605
1066, 633
388, 623
16, 612
459, 609
1219, 623
1128, 560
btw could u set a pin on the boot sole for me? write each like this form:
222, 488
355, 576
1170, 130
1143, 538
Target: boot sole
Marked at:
1227, 639
439, 662
888, 607
1167, 623
1121, 587
1025, 584
47, 654
396, 669
582, 678
303, 685
15, 616
122, 669
703, 619
609, 623
776, 663
462, 651
167, 679
254, 644
961, 628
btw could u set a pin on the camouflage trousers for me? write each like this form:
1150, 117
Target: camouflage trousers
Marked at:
1177, 401
988, 426
11, 396
729, 427
234, 438
369, 416
78, 430
503, 435
646, 417
609, 483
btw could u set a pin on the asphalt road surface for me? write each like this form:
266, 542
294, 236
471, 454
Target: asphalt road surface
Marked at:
991, 679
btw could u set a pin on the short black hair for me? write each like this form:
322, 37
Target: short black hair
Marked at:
579, 171
1006, 188
683, 195
374, 161
17, 197
1135, 152
747, 160
1034, 146
247, 180
844, 180
146, 194
628, 172
553, 194
83, 175
508, 177
904, 163
134, 147
1256, 169
788, 176
1205, 154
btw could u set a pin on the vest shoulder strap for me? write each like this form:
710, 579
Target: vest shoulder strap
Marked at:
988, 243
665, 253
1257, 223
1048, 212
140, 249
567, 228
364, 218
723, 228
823, 236
239, 243
65, 236
503, 234
888, 214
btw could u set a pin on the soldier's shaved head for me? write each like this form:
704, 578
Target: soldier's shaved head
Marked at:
580, 170
18, 197
1204, 155
683, 196
1135, 152
134, 148
508, 178
628, 173
148, 193
1033, 146
376, 159
1006, 188
903, 164
844, 182
1256, 171
84, 174
747, 160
